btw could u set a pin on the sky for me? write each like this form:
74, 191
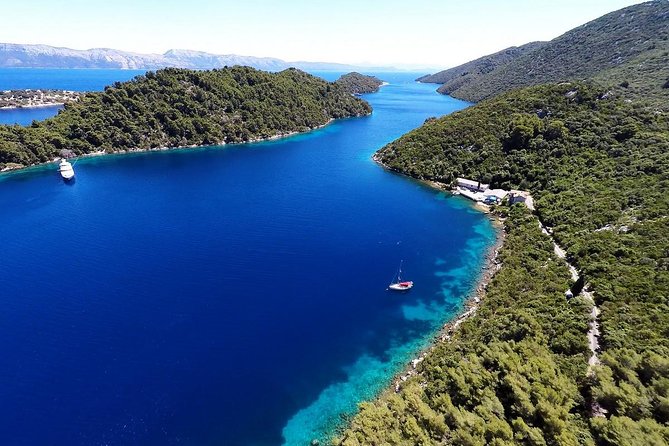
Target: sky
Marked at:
426, 33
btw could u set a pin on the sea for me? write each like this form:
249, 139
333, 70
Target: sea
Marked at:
231, 295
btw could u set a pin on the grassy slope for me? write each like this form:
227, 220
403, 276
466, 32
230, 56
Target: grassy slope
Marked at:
620, 46
457, 77
599, 167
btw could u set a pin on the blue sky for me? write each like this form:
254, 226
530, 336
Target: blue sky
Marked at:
427, 33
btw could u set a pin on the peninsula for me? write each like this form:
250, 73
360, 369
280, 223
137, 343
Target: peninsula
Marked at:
36, 98
356, 83
179, 107
533, 365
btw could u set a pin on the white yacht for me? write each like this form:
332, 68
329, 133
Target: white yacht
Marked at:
66, 170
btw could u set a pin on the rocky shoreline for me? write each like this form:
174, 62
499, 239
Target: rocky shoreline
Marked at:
12, 167
490, 267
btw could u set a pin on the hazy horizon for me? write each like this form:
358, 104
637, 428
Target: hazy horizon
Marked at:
427, 35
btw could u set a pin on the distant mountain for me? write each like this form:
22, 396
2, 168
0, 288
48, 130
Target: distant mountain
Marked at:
44, 56
628, 47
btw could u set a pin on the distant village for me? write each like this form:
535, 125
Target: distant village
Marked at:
481, 193
36, 98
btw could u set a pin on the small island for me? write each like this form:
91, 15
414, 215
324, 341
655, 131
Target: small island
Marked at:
356, 83
36, 98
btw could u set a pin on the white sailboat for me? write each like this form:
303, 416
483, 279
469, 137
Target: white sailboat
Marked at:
66, 170
398, 284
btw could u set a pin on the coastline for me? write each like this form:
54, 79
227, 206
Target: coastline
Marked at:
489, 268
20, 168
17, 107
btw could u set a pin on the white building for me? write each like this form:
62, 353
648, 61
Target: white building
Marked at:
496, 194
472, 185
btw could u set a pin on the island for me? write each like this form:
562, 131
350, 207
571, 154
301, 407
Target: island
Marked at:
356, 83
568, 344
36, 98
178, 108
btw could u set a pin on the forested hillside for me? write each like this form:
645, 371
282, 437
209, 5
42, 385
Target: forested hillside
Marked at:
178, 107
598, 167
628, 48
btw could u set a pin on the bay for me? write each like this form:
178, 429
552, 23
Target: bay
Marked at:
25, 116
225, 295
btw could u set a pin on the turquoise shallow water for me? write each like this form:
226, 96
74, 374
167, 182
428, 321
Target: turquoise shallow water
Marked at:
225, 295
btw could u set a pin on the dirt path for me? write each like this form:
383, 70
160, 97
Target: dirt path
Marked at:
593, 331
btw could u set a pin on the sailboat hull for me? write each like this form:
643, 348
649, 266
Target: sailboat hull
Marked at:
400, 286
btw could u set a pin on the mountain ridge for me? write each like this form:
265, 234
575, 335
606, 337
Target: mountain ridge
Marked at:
482, 65
16, 55
614, 48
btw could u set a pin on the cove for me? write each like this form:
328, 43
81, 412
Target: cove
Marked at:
25, 116
225, 295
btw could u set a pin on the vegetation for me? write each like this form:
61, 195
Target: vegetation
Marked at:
456, 78
627, 46
596, 160
179, 107
356, 83
598, 167
511, 375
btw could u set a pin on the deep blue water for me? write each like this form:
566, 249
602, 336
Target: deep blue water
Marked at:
63, 79
225, 295
25, 116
